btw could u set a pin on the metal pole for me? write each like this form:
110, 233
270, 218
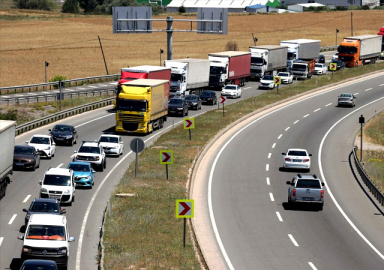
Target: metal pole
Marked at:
46, 71
60, 94
105, 63
166, 170
361, 142
185, 225
351, 23
169, 37
137, 157
190, 136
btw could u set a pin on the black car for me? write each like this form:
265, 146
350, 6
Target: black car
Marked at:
177, 106
65, 134
209, 97
43, 206
321, 59
39, 264
340, 64
194, 102
26, 157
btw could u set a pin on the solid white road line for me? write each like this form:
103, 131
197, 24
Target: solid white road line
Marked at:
269, 155
319, 155
316, 110
273, 146
267, 167
312, 266
33, 94
293, 240
247, 87
328, 104
12, 219
297, 121
114, 83
5, 96
368, 89
279, 217
26, 198
59, 165
306, 115
271, 196
1, 240
287, 128
91, 86
279, 136
81, 88
268, 182
381, 85
94, 120
102, 85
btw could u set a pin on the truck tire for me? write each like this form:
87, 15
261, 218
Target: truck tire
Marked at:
161, 123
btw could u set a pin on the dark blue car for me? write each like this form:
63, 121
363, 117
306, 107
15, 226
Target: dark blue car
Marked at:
39, 265
43, 206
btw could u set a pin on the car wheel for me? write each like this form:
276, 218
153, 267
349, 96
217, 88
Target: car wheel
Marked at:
105, 164
72, 142
53, 154
33, 168
321, 206
101, 167
73, 198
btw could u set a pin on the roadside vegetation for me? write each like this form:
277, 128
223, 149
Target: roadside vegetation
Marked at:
142, 230
373, 132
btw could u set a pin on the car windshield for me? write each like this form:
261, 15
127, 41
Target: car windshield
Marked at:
308, 184
256, 60
79, 167
48, 207
191, 97
205, 94
283, 74
57, 180
347, 49
230, 87
291, 56
268, 78
175, 77
46, 232
40, 140
175, 101
89, 149
61, 129
131, 105
318, 65
216, 70
109, 139
299, 67
297, 153
24, 150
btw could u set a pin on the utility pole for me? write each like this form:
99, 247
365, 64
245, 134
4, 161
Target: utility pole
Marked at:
361, 121
352, 24
169, 37
337, 31
105, 63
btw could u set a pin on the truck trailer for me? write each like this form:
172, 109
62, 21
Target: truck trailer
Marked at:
360, 50
7, 138
301, 49
142, 106
230, 67
303, 69
267, 59
188, 76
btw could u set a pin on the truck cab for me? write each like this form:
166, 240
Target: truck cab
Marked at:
218, 73
259, 60
303, 69
179, 75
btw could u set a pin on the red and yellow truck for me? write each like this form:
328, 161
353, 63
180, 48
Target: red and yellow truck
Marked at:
142, 106
359, 50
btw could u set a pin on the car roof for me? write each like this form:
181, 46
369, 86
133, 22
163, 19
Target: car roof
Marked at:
79, 163
41, 135
94, 144
109, 135
47, 219
63, 125
307, 176
45, 200
231, 85
177, 98
297, 149
58, 171
208, 91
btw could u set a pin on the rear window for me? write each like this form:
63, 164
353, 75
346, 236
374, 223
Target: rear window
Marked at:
297, 153
308, 184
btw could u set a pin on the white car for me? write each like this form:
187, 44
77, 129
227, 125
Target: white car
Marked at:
296, 158
59, 184
267, 82
91, 152
231, 90
335, 56
43, 144
286, 77
112, 144
320, 69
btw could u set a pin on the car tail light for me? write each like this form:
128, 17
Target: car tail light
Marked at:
294, 192
306, 160
287, 159
322, 193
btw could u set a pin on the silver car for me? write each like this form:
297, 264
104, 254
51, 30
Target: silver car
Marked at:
346, 99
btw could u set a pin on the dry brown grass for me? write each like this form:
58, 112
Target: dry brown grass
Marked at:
71, 46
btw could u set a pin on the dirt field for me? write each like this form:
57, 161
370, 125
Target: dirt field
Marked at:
70, 43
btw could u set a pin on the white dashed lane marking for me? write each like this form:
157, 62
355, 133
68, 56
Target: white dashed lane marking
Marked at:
279, 136
91, 86
328, 104
268, 182
368, 89
273, 146
26, 198
247, 87
316, 110
356, 94
271, 196
279, 217
1, 240
312, 265
287, 128
297, 121
12, 219
267, 167
381, 85
293, 240
306, 115
269, 155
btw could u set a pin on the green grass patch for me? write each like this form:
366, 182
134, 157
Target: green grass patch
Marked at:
142, 231
374, 129
374, 167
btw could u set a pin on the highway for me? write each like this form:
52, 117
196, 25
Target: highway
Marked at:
244, 189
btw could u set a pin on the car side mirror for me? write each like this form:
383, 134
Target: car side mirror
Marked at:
74, 151
53, 143
322, 184
74, 131
25, 210
283, 154
49, 129
354, 97
310, 155
71, 239
20, 237
288, 182
26, 142
63, 211
40, 182
93, 171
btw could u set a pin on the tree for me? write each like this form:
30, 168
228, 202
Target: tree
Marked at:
182, 9
231, 46
70, 6
34, 4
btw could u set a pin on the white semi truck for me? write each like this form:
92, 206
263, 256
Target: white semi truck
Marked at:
267, 59
301, 49
7, 139
188, 76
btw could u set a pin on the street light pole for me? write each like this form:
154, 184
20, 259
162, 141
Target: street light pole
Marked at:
337, 31
361, 121
46, 65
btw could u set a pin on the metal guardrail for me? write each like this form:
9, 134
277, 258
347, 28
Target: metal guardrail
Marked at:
61, 115
329, 48
368, 182
44, 86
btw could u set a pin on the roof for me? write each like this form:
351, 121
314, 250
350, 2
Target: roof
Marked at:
144, 68
145, 82
95, 144
228, 53
311, 5
188, 60
268, 47
109, 135
47, 219
79, 163
35, 262
256, 6
58, 171
307, 176
41, 135
303, 40
363, 37
4, 124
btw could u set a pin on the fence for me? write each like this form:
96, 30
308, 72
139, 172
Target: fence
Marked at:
368, 182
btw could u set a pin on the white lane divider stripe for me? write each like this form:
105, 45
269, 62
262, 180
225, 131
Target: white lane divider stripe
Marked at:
267, 167
269, 155
297, 121
12, 219
273, 146
287, 128
356, 94
26, 198
368, 89
61, 164
91, 86
328, 104
268, 182
247, 87
271, 195
293, 240
279, 136
279, 217
312, 266
318, 109
1, 240
113, 83
381, 84
306, 115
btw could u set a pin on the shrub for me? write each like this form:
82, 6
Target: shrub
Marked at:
35, 4
182, 9
231, 46
71, 6
58, 78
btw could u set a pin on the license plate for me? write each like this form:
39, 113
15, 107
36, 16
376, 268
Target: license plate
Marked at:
60, 139
297, 160
307, 199
57, 197
19, 164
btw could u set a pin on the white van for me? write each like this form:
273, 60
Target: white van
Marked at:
46, 238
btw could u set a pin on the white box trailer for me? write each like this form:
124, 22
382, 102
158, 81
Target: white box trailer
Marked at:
303, 49
7, 140
188, 75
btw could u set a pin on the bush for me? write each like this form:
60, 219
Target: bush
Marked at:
365, 7
35, 4
182, 9
71, 6
231, 46
58, 78
9, 115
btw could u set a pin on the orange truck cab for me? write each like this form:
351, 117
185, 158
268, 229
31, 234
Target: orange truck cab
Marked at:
359, 50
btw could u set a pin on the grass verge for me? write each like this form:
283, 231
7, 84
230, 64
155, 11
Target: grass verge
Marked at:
142, 231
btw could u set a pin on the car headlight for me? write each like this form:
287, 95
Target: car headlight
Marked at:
62, 251
44, 190
48, 148
68, 191
194, 103
88, 177
97, 158
179, 109
27, 250
68, 136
